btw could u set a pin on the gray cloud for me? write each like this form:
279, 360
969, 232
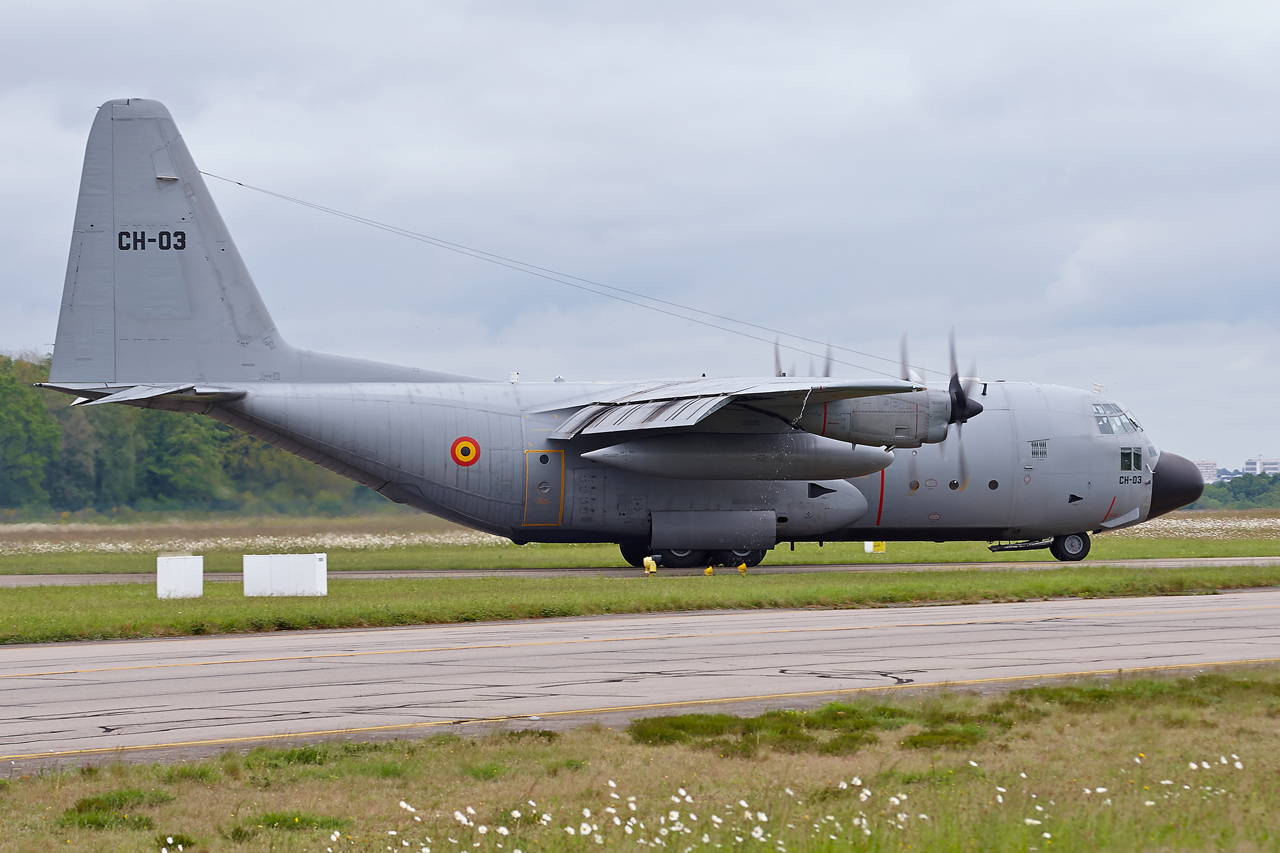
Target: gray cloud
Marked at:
1088, 192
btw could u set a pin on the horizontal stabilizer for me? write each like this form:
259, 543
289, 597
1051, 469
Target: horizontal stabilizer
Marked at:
86, 393
140, 392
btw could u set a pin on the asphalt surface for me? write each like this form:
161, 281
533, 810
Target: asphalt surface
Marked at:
90, 702
11, 581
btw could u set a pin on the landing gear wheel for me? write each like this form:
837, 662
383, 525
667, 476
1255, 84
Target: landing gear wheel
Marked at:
736, 557
682, 558
1070, 548
634, 552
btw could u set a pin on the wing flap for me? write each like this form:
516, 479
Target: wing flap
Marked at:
652, 414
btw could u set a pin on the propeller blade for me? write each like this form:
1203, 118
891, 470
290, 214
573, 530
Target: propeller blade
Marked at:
904, 374
955, 370
826, 368
811, 373
777, 358
793, 368
964, 467
963, 406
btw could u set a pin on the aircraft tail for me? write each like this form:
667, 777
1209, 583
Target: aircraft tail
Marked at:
156, 291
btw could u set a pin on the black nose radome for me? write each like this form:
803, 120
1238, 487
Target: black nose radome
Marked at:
1175, 483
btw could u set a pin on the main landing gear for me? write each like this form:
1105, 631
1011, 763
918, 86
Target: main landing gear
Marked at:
688, 558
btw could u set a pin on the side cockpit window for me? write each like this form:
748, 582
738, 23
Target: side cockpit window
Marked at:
1131, 459
1113, 420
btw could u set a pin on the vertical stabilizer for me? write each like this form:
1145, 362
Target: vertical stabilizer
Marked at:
155, 289
156, 292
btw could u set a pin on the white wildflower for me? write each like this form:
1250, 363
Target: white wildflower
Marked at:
584, 829
1030, 821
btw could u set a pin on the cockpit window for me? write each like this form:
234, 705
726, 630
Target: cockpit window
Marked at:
1131, 459
1112, 420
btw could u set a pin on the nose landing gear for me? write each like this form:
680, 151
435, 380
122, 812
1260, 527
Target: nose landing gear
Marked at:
1071, 547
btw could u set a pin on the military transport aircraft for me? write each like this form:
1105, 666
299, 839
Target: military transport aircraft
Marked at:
158, 310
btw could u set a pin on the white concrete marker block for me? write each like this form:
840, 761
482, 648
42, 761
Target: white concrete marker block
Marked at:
286, 574
179, 577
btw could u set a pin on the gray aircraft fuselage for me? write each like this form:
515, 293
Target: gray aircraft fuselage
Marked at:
158, 310
1039, 465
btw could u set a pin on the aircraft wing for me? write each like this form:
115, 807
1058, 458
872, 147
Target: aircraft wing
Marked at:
669, 405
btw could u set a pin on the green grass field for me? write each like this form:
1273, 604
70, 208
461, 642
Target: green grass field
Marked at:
51, 613
1132, 763
508, 556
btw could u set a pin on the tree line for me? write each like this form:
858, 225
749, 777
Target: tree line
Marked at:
1250, 491
106, 458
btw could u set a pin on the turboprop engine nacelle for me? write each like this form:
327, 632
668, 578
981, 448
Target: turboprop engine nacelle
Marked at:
767, 456
889, 420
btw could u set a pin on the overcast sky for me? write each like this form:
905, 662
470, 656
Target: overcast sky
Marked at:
1089, 192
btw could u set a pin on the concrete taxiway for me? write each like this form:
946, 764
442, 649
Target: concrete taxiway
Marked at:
95, 701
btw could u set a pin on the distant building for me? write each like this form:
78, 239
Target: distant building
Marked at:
1208, 470
1262, 466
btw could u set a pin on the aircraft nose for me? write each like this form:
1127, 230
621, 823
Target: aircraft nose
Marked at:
1175, 483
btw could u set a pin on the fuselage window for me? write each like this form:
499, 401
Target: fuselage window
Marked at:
1040, 450
1131, 459
1112, 420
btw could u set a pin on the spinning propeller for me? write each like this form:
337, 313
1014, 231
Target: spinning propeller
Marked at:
963, 407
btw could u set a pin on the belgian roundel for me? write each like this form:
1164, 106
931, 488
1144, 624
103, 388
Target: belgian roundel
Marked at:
465, 451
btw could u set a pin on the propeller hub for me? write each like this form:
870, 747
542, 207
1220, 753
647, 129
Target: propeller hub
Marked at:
963, 406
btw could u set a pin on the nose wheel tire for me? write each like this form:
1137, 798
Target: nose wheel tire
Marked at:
736, 557
1070, 548
682, 558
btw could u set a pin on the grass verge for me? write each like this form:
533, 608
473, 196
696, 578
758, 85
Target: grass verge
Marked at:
539, 556
1139, 762
43, 614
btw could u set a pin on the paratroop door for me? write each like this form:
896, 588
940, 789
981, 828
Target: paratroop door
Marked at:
543, 487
